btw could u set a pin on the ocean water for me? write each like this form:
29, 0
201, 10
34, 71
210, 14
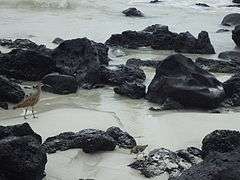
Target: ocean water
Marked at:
43, 20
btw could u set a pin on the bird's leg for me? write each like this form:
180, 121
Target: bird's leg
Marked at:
33, 113
25, 114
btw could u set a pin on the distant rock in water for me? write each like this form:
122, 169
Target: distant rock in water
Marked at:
236, 1
222, 30
160, 161
134, 12
89, 140
231, 19
155, 1
202, 4
59, 84
10, 91
218, 66
179, 78
26, 65
233, 5
20, 154
160, 38
57, 41
236, 35
133, 90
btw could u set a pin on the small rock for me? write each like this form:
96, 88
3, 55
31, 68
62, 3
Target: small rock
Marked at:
222, 30
231, 19
57, 41
133, 12
202, 4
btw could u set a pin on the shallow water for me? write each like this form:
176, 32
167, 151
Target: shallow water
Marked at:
43, 20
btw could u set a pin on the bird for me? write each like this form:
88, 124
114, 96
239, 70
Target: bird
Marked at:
138, 149
30, 101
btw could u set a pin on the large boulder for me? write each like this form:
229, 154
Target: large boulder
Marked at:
10, 91
230, 56
59, 84
20, 153
218, 66
216, 166
123, 139
187, 43
179, 78
231, 19
89, 140
133, 90
236, 35
82, 58
160, 161
26, 65
133, 12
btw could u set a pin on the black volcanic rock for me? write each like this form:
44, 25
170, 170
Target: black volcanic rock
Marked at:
10, 91
20, 154
236, 35
202, 4
231, 19
59, 84
133, 90
26, 65
133, 12
138, 63
123, 139
179, 78
233, 56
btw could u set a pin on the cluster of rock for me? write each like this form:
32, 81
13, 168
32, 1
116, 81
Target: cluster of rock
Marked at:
90, 140
160, 38
218, 159
221, 158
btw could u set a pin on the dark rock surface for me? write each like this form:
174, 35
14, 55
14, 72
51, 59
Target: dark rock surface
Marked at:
163, 160
133, 90
133, 12
222, 30
18, 43
59, 84
160, 38
236, 35
202, 4
20, 154
236, 1
117, 75
155, 1
26, 65
89, 140
57, 40
138, 63
81, 58
216, 166
10, 91
231, 19
218, 66
230, 55
179, 78
220, 141
123, 139
169, 104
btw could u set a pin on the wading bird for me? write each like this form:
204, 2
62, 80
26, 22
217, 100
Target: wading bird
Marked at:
30, 101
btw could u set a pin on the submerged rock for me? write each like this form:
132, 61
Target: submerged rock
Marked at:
220, 141
81, 58
218, 66
10, 91
133, 90
178, 78
162, 160
202, 4
20, 154
138, 63
236, 35
231, 19
89, 140
222, 30
26, 65
230, 55
133, 12
123, 139
59, 84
